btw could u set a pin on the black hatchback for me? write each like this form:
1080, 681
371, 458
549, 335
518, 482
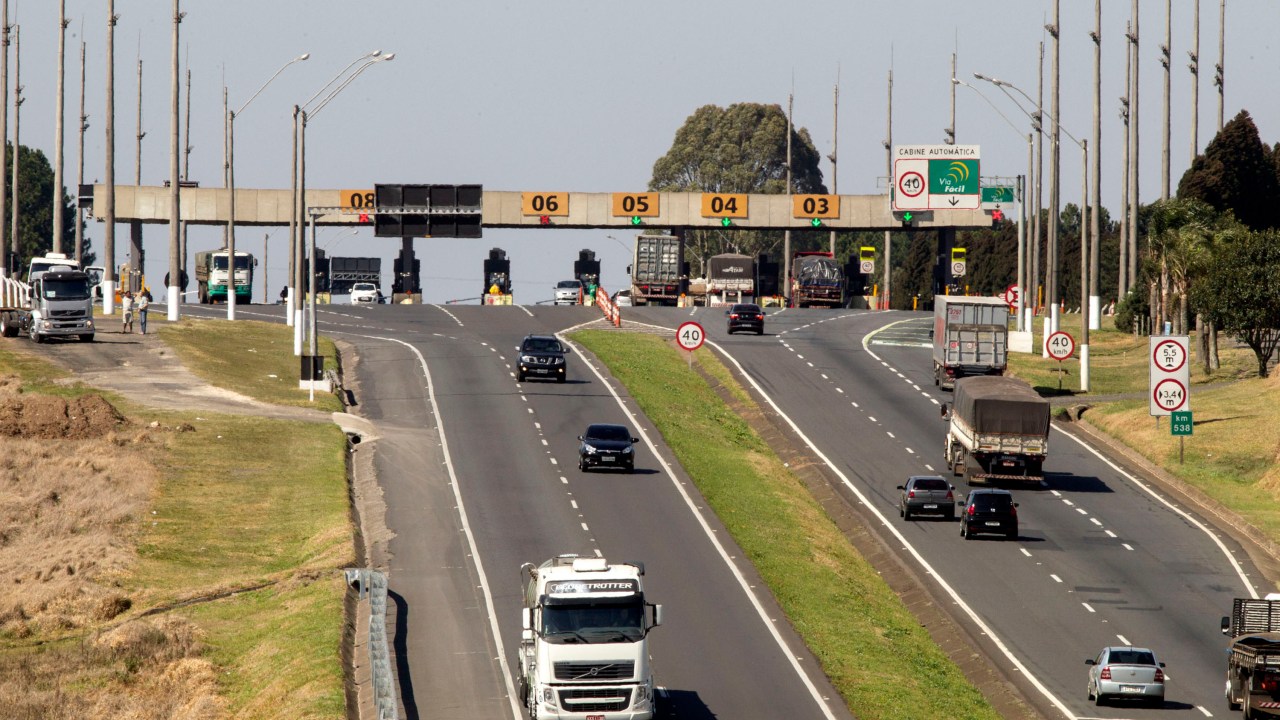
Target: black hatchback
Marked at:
745, 316
607, 446
989, 511
541, 356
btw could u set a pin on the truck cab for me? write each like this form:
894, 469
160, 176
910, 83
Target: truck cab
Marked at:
49, 262
61, 306
584, 649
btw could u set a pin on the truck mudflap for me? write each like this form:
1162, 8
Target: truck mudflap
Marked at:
997, 476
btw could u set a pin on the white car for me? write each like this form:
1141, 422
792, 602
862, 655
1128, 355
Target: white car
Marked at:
362, 293
568, 292
622, 298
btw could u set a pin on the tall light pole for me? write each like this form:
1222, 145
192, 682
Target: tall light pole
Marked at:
888, 165
17, 127
1134, 197
1055, 180
84, 125
1194, 67
175, 175
835, 144
135, 226
1122, 284
1095, 221
186, 176
58, 221
293, 310
109, 172
304, 116
231, 182
786, 235
4, 133
1166, 60
1220, 74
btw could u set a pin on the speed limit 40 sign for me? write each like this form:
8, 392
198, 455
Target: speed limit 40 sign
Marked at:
690, 336
1170, 374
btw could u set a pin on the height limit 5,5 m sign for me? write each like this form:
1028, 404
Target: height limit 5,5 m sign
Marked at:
1170, 374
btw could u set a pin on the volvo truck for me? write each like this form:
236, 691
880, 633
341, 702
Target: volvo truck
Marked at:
57, 303
584, 649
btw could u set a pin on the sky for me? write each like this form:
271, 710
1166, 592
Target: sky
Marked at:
571, 95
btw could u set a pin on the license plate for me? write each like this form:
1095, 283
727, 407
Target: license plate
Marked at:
931, 507
992, 523
1130, 688
595, 717
607, 458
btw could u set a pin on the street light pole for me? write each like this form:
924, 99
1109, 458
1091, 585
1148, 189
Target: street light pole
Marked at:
175, 175
58, 222
231, 183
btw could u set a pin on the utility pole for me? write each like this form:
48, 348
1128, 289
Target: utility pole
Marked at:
186, 175
1194, 67
175, 177
135, 226
1085, 316
1134, 197
293, 230
1095, 223
1122, 286
1036, 239
58, 220
4, 134
835, 144
1220, 79
950, 130
1055, 178
888, 164
1166, 59
109, 231
84, 125
786, 234
17, 122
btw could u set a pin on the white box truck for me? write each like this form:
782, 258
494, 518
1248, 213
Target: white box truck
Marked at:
970, 337
584, 649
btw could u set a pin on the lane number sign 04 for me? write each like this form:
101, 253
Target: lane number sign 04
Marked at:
690, 336
1060, 345
1170, 374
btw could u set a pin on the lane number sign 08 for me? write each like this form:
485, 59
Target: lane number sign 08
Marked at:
731, 205
690, 336
635, 204
544, 203
358, 199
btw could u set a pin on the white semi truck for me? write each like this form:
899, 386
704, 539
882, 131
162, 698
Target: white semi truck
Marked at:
584, 649
57, 303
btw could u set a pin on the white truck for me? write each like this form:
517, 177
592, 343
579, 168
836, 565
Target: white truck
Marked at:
998, 429
584, 650
57, 303
970, 337
1253, 656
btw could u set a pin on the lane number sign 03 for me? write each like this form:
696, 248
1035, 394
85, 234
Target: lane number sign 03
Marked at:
826, 207
1060, 345
690, 336
1170, 374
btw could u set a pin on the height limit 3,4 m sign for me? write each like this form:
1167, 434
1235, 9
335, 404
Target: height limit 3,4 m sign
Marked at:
1170, 374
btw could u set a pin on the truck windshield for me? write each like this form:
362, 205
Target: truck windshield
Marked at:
220, 262
65, 289
594, 622
39, 267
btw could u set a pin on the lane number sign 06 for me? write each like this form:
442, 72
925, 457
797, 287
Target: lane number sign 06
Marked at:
690, 336
1060, 345
544, 203
635, 204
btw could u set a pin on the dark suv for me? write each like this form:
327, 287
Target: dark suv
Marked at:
541, 356
607, 446
989, 511
745, 316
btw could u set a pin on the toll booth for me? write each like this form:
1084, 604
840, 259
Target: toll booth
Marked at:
497, 278
586, 268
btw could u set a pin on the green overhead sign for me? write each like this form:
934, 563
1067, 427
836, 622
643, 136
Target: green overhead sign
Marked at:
953, 177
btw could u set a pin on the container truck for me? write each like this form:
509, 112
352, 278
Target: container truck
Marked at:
656, 270
816, 280
584, 649
57, 303
997, 429
1253, 656
211, 276
970, 337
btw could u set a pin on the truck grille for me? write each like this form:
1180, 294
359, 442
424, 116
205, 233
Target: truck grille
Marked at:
594, 671
596, 699
66, 314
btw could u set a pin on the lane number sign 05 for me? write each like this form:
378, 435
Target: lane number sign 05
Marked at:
690, 336
1060, 345
544, 203
635, 204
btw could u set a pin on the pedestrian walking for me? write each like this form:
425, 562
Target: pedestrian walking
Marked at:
143, 302
126, 310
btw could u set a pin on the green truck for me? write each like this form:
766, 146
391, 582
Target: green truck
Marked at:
211, 276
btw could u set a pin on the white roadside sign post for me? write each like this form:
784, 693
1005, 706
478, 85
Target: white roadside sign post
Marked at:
1170, 375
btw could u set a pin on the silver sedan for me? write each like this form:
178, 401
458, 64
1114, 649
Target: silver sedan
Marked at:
1122, 673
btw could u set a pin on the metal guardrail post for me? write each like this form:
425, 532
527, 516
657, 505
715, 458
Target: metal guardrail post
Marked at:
373, 586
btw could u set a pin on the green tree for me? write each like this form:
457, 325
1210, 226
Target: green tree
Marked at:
913, 278
1238, 173
1240, 290
739, 149
35, 209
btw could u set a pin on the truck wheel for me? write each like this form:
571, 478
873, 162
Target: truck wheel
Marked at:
35, 336
7, 327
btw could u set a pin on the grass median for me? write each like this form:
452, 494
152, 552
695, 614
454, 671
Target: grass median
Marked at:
874, 651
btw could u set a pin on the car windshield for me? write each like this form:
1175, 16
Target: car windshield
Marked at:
1132, 657
570, 284
930, 484
363, 287
993, 502
608, 432
747, 309
541, 345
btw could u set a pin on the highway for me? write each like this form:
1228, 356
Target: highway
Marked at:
1102, 558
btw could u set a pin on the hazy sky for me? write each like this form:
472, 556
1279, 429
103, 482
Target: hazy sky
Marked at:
571, 95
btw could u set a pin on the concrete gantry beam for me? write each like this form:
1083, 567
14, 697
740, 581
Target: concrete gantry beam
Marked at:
505, 209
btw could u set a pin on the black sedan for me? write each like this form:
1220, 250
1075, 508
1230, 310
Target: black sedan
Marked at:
744, 316
607, 446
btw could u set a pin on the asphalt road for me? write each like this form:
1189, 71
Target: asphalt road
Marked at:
1102, 558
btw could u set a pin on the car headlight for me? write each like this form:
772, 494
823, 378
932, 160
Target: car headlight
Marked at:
526, 359
549, 696
642, 696
628, 450
589, 449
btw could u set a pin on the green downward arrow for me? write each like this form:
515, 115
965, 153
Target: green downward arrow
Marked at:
817, 222
635, 220
726, 222
906, 216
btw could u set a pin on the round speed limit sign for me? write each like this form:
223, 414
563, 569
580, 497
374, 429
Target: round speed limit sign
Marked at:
1060, 345
690, 336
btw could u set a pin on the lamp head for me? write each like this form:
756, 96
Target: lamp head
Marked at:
388, 56
304, 56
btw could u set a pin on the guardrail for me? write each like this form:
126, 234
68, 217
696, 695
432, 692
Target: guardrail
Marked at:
372, 585
14, 293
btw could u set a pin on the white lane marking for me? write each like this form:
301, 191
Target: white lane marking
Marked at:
517, 713
526, 310
892, 528
1082, 511
1111, 534
1056, 493
855, 404
886, 432
1025, 552
750, 592
1127, 546
538, 425
809, 364
871, 418
455, 319
544, 441
800, 357
1090, 609
910, 451
564, 480
1124, 641
1096, 521
553, 461
530, 410
824, 376
1055, 578
1203, 711
929, 468
840, 390
573, 504
1068, 502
